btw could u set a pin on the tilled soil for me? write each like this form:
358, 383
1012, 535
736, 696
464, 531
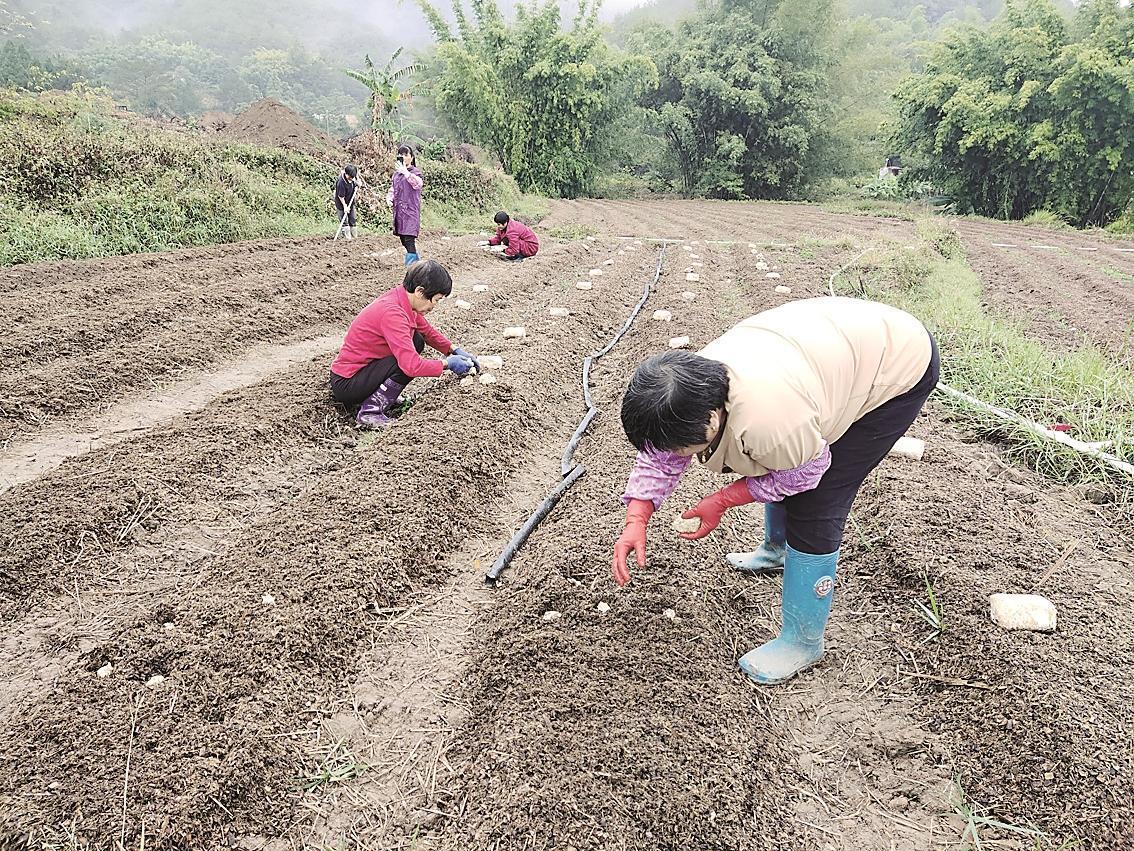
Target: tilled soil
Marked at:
1066, 286
272, 724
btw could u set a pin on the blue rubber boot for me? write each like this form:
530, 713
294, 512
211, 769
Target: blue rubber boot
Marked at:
411, 258
809, 586
770, 557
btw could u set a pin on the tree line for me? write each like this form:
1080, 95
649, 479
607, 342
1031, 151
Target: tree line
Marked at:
733, 99
782, 99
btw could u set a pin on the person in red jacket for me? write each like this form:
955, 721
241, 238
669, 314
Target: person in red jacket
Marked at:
518, 239
383, 346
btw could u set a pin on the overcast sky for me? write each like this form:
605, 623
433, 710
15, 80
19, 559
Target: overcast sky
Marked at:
610, 8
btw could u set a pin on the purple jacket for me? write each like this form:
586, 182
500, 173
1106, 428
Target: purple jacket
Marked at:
406, 193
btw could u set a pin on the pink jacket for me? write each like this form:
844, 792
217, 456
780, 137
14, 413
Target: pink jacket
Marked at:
521, 239
656, 473
385, 327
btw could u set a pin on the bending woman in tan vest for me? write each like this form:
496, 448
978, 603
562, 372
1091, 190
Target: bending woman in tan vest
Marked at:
802, 401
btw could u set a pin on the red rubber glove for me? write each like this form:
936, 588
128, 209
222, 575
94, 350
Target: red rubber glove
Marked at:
712, 508
632, 539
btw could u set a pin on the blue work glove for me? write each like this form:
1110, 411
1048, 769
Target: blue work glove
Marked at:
458, 364
467, 355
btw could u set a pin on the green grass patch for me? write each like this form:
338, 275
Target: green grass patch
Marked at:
990, 357
572, 231
1118, 275
1047, 219
873, 207
459, 219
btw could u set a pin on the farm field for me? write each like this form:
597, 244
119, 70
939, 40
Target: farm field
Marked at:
302, 650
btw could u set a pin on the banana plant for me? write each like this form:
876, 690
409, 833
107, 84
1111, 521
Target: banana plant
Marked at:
385, 95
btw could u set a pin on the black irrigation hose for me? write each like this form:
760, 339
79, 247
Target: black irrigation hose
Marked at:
529, 525
571, 474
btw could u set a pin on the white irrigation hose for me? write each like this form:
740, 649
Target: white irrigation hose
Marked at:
1036, 428
1089, 449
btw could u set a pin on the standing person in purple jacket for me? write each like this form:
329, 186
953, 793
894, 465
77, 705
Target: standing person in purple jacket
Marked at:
405, 200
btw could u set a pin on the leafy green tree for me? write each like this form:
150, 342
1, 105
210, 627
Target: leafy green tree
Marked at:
19, 69
1030, 114
386, 96
160, 77
544, 99
743, 97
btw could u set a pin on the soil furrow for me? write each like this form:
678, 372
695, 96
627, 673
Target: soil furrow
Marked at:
155, 334
236, 667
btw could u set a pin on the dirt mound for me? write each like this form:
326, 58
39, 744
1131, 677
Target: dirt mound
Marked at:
215, 121
269, 122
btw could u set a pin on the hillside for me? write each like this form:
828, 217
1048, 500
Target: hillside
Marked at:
135, 184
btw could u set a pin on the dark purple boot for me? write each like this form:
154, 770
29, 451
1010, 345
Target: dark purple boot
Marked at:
372, 413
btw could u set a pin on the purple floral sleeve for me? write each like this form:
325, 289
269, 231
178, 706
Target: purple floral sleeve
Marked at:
777, 484
655, 476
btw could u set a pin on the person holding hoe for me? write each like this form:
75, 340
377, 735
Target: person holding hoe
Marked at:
518, 239
404, 199
345, 187
382, 350
802, 402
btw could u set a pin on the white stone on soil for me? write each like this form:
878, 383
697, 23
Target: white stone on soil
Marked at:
772, 276
908, 447
671, 614
268, 600
689, 296
603, 607
491, 361
1023, 611
596, 273
663, 315
514, 332
155, 681
560, 312
487, 378
584, 285
692, 276
609, 262
680, 524
467, 381
106, 670
782, 290
761, 265
687, 247
552, 616
678, 342
480, 288
462, 304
